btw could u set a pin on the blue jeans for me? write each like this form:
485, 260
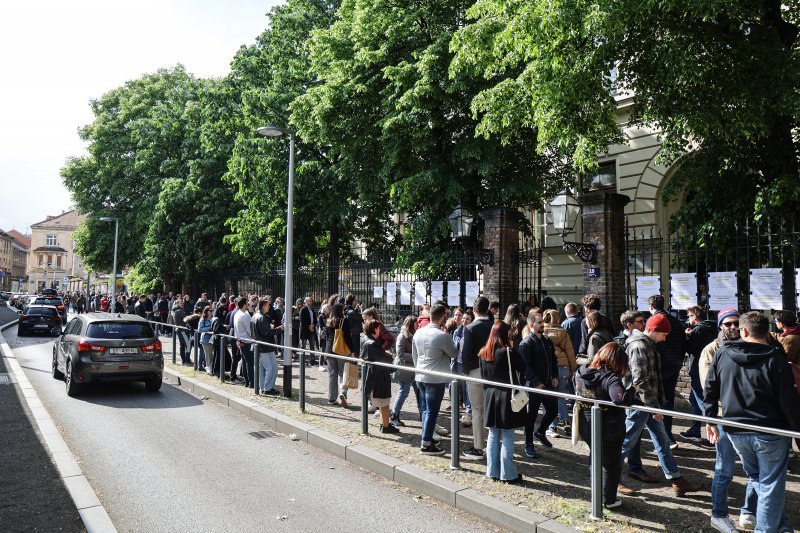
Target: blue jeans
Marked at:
459, 369
696, 400
765, 458
432, 394
267, 371
634, 425
500, 454
400, 399
563, 414
723, 474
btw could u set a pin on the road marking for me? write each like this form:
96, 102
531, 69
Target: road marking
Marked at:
91, 511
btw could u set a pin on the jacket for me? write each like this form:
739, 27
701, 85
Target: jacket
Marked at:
264, 330
754, 385
573, 326
432, 350
597, 340
378, 379
539, 356
563, 347
176, 316
386, 338
403, 353
790, 340
356, 323
601, 384
204, 328
476, 335
645, 369
497, 411
673, 349
140, 309
605, 323
307, 319
697, 339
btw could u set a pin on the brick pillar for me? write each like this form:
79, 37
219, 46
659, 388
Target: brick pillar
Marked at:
501, 235
604, 224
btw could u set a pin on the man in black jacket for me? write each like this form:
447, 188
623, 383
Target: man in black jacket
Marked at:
699, 334
352, 313
541, 372
753, 383
308, 330
476, 335
265, 328
672, 352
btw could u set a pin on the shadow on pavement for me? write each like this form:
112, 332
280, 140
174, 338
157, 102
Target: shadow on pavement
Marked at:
132, 394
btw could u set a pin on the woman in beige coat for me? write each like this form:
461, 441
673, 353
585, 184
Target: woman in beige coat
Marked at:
565, 353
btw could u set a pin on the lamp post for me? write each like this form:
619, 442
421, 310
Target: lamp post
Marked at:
461, 223
566, 209
274, 131
112, 302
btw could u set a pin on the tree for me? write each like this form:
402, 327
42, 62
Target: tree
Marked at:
718, 78
402, 131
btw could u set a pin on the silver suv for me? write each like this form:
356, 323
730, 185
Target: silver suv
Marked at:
108, 347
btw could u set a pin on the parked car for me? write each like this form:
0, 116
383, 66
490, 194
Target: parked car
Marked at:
39, 319
49, 292
106, 347
55, 301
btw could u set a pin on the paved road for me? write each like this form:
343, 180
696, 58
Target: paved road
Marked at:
173, 462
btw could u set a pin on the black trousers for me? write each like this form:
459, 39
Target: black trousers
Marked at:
670, 373
611, 459
550, 404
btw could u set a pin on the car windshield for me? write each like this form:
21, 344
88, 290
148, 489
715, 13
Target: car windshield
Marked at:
49, 301
119, 330
41, 311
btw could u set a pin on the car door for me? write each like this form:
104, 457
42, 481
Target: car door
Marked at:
68, 339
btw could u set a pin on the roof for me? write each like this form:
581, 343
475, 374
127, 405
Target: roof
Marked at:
99, 315
49, 249
67, 219
22, 240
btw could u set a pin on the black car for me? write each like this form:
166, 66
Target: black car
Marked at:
55, 301
108, 347
39, 319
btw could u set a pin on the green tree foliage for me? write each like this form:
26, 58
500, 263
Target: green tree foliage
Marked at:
401, 130
719, 78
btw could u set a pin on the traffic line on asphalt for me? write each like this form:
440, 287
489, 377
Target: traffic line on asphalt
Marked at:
90, 509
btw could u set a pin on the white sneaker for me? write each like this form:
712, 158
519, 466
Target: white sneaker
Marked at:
613, 505
723, 525
466, 420
553, 435
673, 445
441, 430
747, 522
437, 438
323, 368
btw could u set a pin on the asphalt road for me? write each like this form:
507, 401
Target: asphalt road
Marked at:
173, 462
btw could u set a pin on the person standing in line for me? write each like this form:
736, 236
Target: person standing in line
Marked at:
629, 320
141, 308
699, 334
298, 306
432, 350
352, 312
337, 321
599, 335
378, 379
591, 302
476, 335
218, 326
206, 340
242, 330
265, 329
566, 368
789, 334
573, 324
308, 329
602, 380
176, 319
405, 378
752, 382
516, 323
502, 364
322, 319
384, 335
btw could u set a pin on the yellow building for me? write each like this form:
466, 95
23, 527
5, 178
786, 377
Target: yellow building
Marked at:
52, 262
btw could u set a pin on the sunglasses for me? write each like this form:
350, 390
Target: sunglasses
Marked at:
730, 324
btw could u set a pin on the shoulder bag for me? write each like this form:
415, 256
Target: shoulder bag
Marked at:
519, 398
339, 344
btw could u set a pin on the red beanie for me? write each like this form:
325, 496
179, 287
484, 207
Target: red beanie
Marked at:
658, 323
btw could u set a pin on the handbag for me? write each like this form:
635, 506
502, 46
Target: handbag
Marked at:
519, 398
350, 376
339, 344
577, 420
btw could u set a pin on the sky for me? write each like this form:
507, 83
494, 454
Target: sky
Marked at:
56, 56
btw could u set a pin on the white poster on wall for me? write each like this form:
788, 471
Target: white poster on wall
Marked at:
472, 291
646, 286
453, 293
766, 289
420, 293
437, 291
405, 293
391, 293
377, 292
683, 290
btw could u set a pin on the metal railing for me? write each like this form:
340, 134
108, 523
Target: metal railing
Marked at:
454, 379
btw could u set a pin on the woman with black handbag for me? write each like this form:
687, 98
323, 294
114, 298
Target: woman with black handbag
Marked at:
500, 363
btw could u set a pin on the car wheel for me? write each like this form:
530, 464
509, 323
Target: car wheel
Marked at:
153, 384
57, 374
72, 387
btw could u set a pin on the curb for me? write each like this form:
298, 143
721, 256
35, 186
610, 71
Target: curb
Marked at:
91, 510
466, 499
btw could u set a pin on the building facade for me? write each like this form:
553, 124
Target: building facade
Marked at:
6, 260
52, 261
19, 262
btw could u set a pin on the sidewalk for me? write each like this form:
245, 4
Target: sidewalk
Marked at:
33, 496
556, 485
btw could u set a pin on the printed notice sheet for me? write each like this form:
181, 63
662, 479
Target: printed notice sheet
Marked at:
766, 289
472, 291
405, 293
420, 293
683, 290
646, 286
722, 290
437, 291
391, 293
453, 293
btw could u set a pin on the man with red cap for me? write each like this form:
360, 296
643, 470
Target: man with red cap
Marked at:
645, 376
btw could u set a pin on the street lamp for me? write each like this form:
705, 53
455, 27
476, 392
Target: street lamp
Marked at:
113, 301
274, 131
566, 209
461, 223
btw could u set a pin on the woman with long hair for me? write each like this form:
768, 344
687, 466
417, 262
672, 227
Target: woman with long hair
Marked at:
377, 379
499, 418
404, 377
336, 366
206, 340
597, 336
602, 380
565, 354
516, 323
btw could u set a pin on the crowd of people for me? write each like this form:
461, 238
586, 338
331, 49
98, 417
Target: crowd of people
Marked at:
738, 365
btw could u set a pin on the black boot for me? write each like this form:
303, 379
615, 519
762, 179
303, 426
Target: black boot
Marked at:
394, 418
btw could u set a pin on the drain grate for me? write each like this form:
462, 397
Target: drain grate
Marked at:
261, 434
5, 379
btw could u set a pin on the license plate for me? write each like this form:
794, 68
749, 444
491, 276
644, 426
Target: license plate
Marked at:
124, 350
41, 326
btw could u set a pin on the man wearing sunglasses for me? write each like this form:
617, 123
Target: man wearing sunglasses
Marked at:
728, 322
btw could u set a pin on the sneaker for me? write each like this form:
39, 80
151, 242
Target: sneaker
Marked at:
723, 524
613, 505
517, 481
377, 413
394, 418
472, 454
431, 450
551, 433
342, 400
389, 429
673, 445
466, 420
274, 392
437, 438
691, 437
543, 439
323, 368
703, 443
747, 522
208, 370
530, 451
441, 430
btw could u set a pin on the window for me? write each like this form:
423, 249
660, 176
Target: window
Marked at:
51, 240
603, 178
41, 260
58, 261
119, 330
49, 260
